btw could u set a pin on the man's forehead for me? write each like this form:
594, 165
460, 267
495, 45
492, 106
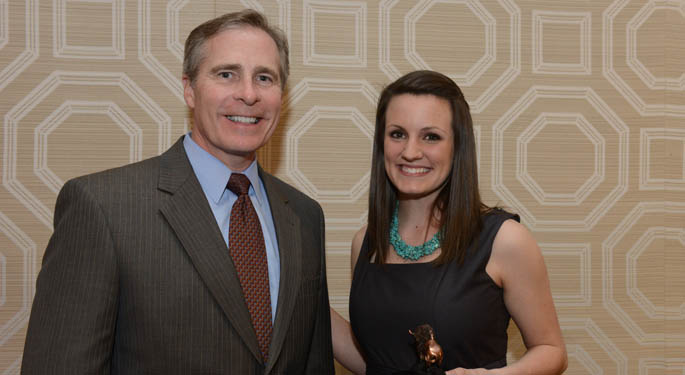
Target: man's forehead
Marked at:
226, 51
243, 30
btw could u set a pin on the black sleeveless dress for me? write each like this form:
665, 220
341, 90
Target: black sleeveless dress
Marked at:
461, 302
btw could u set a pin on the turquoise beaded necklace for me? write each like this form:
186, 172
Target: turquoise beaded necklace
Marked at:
408, 251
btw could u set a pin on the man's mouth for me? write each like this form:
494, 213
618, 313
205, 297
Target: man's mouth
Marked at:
243, 119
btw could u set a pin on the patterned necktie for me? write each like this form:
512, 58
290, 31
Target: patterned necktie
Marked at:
246, 246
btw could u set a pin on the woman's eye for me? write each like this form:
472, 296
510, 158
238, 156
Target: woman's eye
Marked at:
396, 134
432, 137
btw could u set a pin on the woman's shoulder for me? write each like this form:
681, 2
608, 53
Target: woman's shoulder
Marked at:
358, 238
494, 214
513, 240
513, 248
491, 221
357, 242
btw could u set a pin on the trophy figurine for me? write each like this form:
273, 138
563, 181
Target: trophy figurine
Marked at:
429, 351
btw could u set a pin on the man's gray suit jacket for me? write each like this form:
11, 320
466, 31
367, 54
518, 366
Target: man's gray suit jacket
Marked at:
137, 279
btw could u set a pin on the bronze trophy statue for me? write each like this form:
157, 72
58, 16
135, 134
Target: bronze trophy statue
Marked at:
429, 351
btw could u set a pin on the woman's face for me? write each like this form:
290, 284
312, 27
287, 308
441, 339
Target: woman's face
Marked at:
418, 143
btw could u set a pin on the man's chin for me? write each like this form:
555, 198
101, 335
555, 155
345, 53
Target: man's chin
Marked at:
246, 150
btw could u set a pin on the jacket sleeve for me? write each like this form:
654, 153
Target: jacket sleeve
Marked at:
71, 328
320, 360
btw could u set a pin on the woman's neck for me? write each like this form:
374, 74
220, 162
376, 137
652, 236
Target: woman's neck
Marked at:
417, 220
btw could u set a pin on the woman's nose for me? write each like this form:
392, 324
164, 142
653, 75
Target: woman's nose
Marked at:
412, 150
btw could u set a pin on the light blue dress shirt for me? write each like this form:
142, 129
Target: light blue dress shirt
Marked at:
213, 176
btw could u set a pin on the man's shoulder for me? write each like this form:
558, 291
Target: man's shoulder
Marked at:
129, 182
141, 170
285, 189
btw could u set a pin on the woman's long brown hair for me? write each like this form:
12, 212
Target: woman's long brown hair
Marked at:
458, 203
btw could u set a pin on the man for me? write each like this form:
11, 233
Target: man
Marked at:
159, 268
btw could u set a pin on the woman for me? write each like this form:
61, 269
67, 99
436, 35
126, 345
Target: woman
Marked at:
434, 253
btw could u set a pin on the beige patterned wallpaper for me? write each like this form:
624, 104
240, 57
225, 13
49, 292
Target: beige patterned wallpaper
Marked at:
578, 107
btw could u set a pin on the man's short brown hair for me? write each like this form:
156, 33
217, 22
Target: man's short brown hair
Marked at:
194, 52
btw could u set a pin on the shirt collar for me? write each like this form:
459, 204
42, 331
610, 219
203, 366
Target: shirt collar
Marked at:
213, 174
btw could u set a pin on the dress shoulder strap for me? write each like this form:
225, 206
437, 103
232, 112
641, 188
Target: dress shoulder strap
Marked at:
364, 250
363, 259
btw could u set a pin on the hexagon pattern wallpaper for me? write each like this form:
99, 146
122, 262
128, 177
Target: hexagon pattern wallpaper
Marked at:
579, 112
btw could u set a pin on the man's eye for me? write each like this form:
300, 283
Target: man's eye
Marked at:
225, 74
264, 78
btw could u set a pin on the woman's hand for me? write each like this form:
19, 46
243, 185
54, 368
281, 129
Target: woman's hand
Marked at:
345, 347
464, 371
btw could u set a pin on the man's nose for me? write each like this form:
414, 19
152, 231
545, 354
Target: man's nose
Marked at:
247, 92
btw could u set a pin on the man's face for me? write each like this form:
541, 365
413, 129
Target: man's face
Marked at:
236, 96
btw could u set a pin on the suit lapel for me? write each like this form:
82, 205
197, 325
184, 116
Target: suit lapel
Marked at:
191, 218
287, 226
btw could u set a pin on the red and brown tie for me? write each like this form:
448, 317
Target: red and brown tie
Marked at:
246, 246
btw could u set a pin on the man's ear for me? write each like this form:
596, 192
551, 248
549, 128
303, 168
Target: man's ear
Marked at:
188, 92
